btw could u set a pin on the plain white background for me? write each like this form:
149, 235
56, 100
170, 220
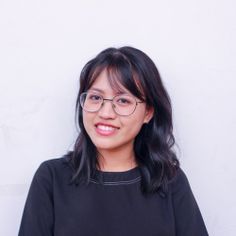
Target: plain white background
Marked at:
44, 45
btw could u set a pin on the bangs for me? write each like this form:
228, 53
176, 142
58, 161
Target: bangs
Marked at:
120, 75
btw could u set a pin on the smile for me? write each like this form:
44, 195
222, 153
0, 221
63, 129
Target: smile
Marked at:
105, 130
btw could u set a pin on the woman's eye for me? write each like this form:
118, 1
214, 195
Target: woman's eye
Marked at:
94, 97
123, 101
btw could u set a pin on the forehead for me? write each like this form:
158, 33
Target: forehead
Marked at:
105, 84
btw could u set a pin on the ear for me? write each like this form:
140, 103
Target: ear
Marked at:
148, 114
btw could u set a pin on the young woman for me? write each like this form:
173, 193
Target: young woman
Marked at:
122, 178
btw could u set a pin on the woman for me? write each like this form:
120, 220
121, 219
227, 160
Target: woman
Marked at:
122, 178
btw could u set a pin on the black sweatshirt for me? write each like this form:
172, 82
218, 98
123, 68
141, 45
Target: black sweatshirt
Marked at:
115, 208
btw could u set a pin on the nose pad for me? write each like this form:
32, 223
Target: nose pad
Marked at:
107, 110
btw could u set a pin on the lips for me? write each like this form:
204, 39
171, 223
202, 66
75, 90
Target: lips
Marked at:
106, 125
106, 129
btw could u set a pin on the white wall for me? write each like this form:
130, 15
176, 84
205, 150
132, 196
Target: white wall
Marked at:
44, 45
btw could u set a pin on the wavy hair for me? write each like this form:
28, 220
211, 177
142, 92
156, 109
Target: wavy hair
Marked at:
153, 146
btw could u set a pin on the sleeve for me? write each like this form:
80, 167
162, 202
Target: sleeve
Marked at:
188, 218
38, 214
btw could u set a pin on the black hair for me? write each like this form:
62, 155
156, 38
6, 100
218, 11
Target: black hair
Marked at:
153, 146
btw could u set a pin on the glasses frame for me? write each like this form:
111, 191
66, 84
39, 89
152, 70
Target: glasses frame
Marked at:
110, 100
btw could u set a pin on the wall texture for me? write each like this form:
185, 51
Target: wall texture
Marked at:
44, 45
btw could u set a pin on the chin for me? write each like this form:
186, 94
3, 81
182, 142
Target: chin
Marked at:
105, 146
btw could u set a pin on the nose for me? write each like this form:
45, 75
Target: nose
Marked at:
107, 110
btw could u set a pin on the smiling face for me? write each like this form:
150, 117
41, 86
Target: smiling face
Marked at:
108, 130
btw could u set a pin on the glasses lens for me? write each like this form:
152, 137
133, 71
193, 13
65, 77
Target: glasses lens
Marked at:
124, 104
90, 101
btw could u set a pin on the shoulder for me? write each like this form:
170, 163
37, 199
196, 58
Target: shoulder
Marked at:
55, 164
187, 214
52, 169
179, 183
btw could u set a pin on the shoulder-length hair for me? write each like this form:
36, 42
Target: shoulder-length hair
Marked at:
134, 70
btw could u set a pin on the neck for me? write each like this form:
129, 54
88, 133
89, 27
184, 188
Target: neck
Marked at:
116, 160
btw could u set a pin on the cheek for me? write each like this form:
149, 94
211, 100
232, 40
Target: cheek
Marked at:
87, 121
133, 126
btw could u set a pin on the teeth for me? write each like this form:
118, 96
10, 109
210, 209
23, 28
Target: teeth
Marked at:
105, 128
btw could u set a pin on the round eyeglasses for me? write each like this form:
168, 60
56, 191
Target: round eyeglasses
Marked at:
123, 105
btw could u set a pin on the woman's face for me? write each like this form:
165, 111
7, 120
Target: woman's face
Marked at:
107, 130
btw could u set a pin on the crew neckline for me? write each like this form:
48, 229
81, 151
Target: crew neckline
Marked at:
117, 176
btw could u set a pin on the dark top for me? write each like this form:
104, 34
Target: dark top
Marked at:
115, 208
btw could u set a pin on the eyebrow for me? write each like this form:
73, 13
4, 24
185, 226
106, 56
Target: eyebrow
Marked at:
102, 91
97, 89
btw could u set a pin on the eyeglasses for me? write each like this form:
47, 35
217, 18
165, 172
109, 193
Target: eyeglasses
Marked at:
123, 105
